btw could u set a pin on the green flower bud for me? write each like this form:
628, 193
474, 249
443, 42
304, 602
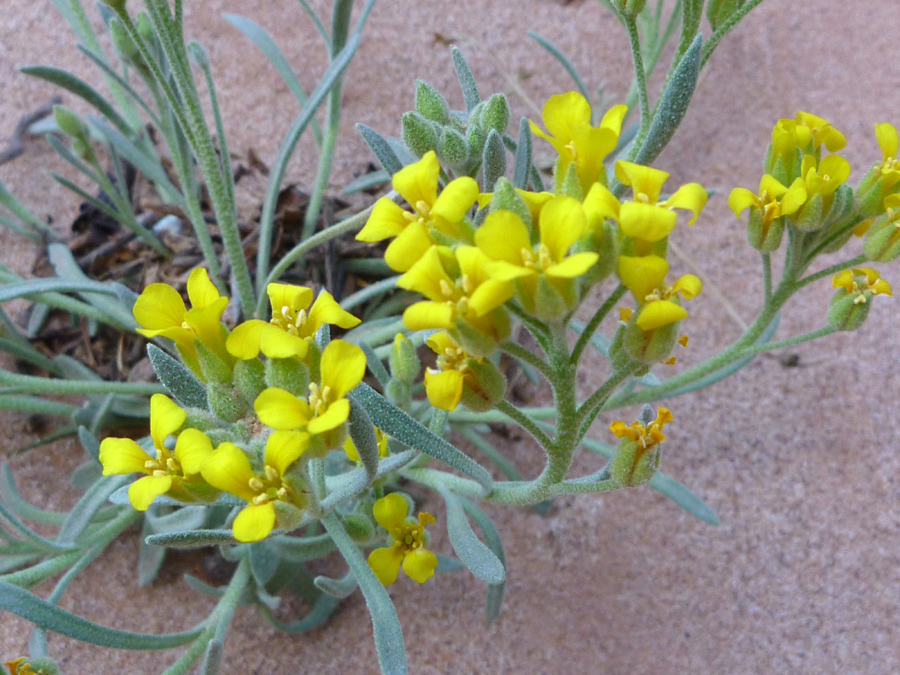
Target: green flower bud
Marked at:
650, 347
197, 54
404, 361
453, 149
629, 8
359, 527
249, 378
841, 206
287, 516
430, 104
27, 665
719, 11
846, 313
882, 242
496, 114
811, 217
491, 385
764, 239
479, 344
505, 198
290, 374
399, 393
125, 47
225, 402
71, 124
214, 369
145, 28
418, 133
639, 450
568, 182
869, 201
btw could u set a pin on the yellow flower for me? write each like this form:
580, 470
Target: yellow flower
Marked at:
863, 281
646, 218
645, 277
383, 449
807, 133
408, 548
646, 436
291, 328
161, 313
458, 288
444, 384
774, 199
343, 366
505, 239
823, 178
434, 218
176, 473
568, 119
268, 493
889, 169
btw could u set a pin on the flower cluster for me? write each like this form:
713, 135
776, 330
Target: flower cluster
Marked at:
480, 258
268, 418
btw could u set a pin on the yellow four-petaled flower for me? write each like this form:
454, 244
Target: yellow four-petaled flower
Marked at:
408, 549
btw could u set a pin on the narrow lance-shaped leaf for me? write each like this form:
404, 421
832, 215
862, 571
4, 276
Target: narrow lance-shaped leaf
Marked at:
480, 560
466, 79
175, 376
493, 160
492, 537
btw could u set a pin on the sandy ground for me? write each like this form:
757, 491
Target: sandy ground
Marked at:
799, 463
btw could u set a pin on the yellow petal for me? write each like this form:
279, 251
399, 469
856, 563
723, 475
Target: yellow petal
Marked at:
350, 449
573, 266
386, 220
207, 324
326, 310
283, 448
390, 512
159, 307
293, 297
409, 246
742, 199
644, 180
794, 198
122, 456
201, 291
444, 389
244, 341
642, 274
428, 315
503, 236
279, 344
456, 199
836, 168
428, 276
563, 111
333, 417
660, 313
647, 222
385, 562
843, 279
420, 564
192, 449
599, 205
143, 491
888, 140
613, 118
488, 296
419, 181
165, 418
343, 367
254, 522
280, 409
691, 197
228, 469
562, 224
689, 286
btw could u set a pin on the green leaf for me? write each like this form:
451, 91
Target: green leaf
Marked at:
23, 214
186, 389
382, 149
21, 289
337, 588
367, 181
90, 443
448, 564
395, 422
322, 610
150, 557
466, 79
480, 560
363, 434
212, 658
40, 612
302, 549
192, 539
492, 537
82, 514
22, 530
385, 622
81, 89
673, 104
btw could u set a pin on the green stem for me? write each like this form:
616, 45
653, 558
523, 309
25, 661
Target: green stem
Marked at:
592, 325
44, 385
351, 224
828, 271
519, 352
517, 416
787, 342
767, 276
589, 410
369, 292
640, 78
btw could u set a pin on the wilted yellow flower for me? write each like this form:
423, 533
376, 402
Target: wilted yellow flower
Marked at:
863, 282
646, 436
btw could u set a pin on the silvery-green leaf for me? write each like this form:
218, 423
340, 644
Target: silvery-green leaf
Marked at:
186, 389
466, 79
492, 537
473, 553
337, 588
